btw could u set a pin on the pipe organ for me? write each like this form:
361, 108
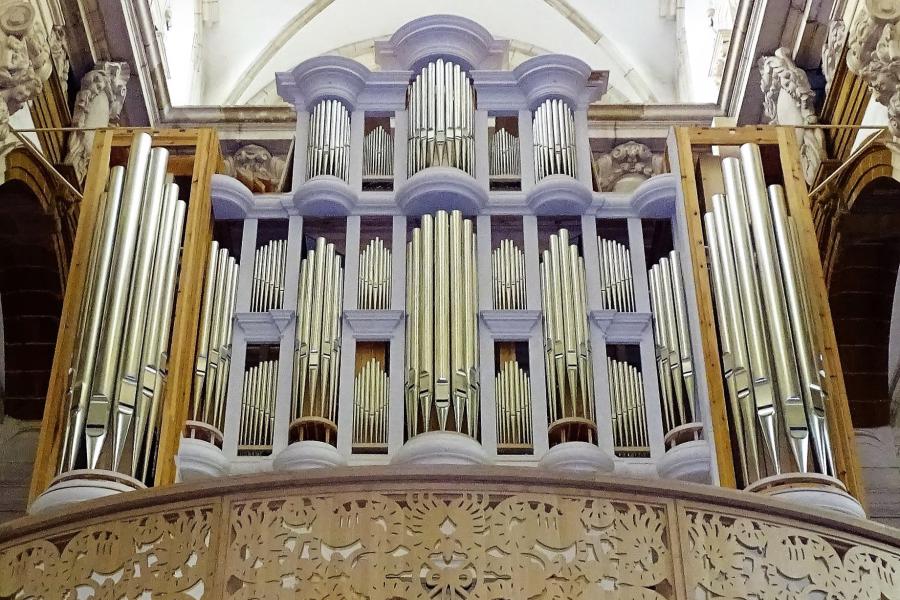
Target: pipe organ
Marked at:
268, 276
554, 140
629, 415
328, 150
616, 287
675, 362
770, 357
441, 106
513, 391
258, 407
374, 292
508, 266
378, 153
504, 152
371, 397
567, 348
317, 354
442, 389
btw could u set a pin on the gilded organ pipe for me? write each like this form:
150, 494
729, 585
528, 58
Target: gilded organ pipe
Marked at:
267, 292
508, 265
258, 407
318, 344
512, 389
441, 107
370, 406
374, 290
616, 283
378, 153
504, 153
328, 149
570, 387
442, 391
554, 140
629, 413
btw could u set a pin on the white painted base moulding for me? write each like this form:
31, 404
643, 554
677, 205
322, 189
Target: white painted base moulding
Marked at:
198, 459
688, 461
441, 448
580, 457
308, 454
82, 484
810, 490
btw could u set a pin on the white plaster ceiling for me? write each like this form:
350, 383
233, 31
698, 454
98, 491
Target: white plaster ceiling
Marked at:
242, 43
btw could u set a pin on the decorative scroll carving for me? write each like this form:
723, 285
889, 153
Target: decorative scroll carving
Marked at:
789, 100
255, 167
59, 51
24, 58
166, 553
625, 166
98, 104
874, 55
739, 558
833, 50
455, 546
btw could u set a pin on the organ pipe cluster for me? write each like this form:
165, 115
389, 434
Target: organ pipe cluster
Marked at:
370, 406
629, 413
441, 106
616, 283
554, 140
512, 389
374, 291
268, 276
570, 384
328, 150
442, 391
118, 373
769, 340
508, 265
378, 153
258, 406
672, 338
214, 338
318, 344
504, 153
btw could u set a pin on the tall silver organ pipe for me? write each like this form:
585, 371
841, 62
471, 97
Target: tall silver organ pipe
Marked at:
328, 149
214, 338
117, 375
554, 140
767, 333
616, 282
378, 153
674, 357
269, 262
629, 413
374, 291
370, 407
512, 389
508, 264
505, 157
441, 106
258, 407
317, 357
442, 391
570, 382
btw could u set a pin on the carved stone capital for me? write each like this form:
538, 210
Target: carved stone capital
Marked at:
25, 62
788, 99
98, 104
627, 165
255, 167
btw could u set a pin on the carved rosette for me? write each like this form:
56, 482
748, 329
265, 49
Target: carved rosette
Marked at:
255, 167
25, 62
779, 75
98, 104
632, 160
874, 55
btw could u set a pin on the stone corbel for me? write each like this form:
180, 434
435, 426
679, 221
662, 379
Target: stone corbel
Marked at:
788, 99
626, 166
98, 104
874, 55
255, 167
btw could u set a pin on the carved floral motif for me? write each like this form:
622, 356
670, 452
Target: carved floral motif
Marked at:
24, 58
255, 167
631, 160
59, 51
833, 50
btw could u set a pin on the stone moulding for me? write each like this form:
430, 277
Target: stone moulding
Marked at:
427, 532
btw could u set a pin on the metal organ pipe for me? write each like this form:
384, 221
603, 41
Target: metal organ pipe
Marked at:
570, 388
629, 415
554, 139
328, 149
374, 291
616, 283
378, 153
504, 153
268, 277
258, 407
370, 406
508, 264
442, 391
441, 106
513, 392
